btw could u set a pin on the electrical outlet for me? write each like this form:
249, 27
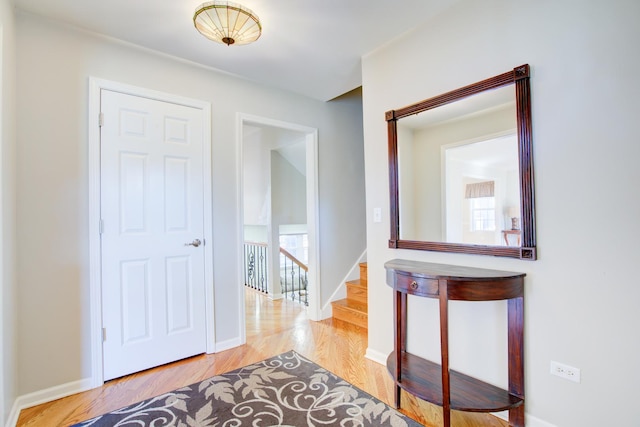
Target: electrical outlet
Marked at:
565, 371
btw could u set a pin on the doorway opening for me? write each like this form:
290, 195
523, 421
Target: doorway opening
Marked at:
278, 202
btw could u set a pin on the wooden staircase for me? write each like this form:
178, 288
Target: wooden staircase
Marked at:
353, 309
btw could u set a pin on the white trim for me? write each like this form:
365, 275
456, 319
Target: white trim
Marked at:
532, 421
275, 297
376, 356
208, 228
240, 231
228, 344
95, 261
2, 284
46, 395
340, 292
95, 295
313, 224
311, 142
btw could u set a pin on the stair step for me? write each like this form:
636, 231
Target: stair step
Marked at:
350, 311
363, 272
357, 291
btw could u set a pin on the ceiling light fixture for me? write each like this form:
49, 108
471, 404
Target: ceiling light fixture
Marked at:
227, 22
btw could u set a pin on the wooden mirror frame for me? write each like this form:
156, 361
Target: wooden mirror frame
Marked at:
519, 77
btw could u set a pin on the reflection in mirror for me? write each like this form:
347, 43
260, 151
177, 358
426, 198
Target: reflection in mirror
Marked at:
458, 171
461, 171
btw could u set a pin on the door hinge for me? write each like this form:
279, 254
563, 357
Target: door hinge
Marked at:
101, 119
101, 226
104, 334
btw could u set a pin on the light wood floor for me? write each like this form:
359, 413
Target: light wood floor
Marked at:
273, 327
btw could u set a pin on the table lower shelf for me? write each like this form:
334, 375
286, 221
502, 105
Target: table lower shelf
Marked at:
423, 379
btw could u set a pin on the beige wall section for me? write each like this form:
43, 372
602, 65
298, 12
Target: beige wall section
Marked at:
581, 295
8, 307
54, 64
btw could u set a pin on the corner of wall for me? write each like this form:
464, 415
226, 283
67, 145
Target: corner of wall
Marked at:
47, 395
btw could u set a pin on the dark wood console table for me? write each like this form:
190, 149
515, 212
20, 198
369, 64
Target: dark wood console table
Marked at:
434, 382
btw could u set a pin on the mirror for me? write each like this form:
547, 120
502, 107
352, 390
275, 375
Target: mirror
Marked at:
461, 175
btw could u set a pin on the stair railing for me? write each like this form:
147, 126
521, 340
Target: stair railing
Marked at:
293, 278
255, 266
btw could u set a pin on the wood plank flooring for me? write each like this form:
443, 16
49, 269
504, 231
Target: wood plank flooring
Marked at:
273, 327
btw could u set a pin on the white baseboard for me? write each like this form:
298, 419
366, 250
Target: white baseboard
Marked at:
64, 390
536, 422
376, 356
530, 420
226, 345
274, 297
47, 395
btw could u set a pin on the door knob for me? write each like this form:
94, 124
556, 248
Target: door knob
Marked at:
195, 243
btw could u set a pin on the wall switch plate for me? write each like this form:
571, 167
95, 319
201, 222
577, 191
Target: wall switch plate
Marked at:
565, 371
377, 215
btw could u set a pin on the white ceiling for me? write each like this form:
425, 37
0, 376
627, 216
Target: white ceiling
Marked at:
312, 47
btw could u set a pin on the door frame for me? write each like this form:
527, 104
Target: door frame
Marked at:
95, 252
311, 145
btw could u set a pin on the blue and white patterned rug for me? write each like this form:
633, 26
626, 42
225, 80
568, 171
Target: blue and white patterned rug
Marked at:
285, 390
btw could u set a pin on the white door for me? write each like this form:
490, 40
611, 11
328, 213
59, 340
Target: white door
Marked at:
153, 289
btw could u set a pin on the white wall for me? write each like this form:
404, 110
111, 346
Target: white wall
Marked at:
341, 170
288, 192
255, 155
260, 142
582, 293
54, 64
8, 359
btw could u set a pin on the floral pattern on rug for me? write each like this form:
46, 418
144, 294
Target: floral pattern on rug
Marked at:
286, 390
